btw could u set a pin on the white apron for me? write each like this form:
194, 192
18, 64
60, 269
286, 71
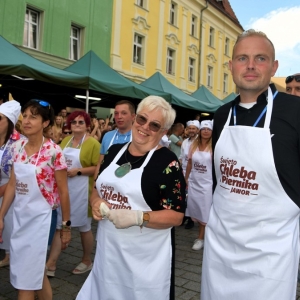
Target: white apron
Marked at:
130, 263
31, 227
8, 219
78, 189
200, 187
252, 236
186, 144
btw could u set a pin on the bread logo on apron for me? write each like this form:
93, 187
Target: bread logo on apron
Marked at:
21, 188
116, 199
200, 168
239, 180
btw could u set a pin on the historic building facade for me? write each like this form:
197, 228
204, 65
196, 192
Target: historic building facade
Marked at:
58, 31
188, 41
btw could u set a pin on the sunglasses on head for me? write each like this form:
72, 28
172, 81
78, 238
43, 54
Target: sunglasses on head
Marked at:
81, 122
291, 78
153, 126
67, 132
42, 103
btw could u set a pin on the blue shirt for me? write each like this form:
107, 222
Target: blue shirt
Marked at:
118, 138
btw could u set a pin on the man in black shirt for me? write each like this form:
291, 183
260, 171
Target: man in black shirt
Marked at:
252, 235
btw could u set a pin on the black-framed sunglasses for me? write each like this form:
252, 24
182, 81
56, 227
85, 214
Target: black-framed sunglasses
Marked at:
153, 126
291, 78
80, 122
67, 132
42, 103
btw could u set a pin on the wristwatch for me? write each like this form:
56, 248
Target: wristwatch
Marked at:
66, 223
146, 219
79, 173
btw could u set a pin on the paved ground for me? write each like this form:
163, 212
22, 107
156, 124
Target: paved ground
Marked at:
66, 285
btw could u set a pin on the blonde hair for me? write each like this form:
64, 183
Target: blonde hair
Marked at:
197, 142
152, 103
253, 32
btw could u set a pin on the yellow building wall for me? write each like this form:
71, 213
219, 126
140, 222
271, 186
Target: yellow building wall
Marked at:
152, 22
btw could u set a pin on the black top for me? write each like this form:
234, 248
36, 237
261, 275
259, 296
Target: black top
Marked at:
285, 125
163, 184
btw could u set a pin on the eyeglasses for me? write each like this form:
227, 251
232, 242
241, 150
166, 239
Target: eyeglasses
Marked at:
42, 103
291, 78
67, 132
153, 126
81, 122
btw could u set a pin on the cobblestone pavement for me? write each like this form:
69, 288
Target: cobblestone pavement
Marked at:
66, 285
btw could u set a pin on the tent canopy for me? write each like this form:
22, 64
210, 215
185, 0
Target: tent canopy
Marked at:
159, 82
207, 96
14, 61
229, 98
104, 79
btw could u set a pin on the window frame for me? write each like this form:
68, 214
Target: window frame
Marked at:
138, 46
141, 3
227, 45
211, 37
173, 13
193, 26
210, 78
27, 32
72, 39
191, 69
225, 83
170, 61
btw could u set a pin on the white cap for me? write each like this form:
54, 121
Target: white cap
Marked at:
11, 109
194, 123
206, 124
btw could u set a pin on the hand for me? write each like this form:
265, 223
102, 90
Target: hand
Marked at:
124, 218
98, 210
65, 236
1, 229
72, 172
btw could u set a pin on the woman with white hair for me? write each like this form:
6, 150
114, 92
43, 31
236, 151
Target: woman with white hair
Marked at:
9, 113
138, 197
199, 178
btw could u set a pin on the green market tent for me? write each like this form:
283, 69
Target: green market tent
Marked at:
207, 96
15, 62
159, 82
229, 98
104, 79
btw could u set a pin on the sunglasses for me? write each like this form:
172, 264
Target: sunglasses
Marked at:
67, 132
42, 103
153, 126
291, 78
81, 122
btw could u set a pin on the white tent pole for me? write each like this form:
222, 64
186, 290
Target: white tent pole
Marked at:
87, 102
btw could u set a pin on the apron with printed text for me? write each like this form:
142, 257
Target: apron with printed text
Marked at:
252, 237
200, 187
31, 227
78, 189
8, 219
130, 263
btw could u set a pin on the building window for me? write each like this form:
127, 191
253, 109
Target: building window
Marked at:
31, 29
173, 13
211, 37
171, 62
225, 83
210, 76
141, 3
75, 43
138, 46
194, 26
227, 46
192, 69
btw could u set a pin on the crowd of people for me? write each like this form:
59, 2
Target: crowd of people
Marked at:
235, 177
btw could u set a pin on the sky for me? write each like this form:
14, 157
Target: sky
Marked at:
280, 21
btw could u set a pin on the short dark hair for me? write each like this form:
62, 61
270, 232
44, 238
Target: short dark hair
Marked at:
36, 108
130, 105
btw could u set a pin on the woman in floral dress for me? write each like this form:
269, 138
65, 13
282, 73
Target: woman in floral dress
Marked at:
38, 184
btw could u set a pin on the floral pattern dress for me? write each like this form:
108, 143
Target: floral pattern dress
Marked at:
50, 159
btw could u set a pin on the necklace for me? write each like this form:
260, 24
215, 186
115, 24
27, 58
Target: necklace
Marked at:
126, 168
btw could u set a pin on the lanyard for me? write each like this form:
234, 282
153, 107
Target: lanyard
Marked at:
259, 117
